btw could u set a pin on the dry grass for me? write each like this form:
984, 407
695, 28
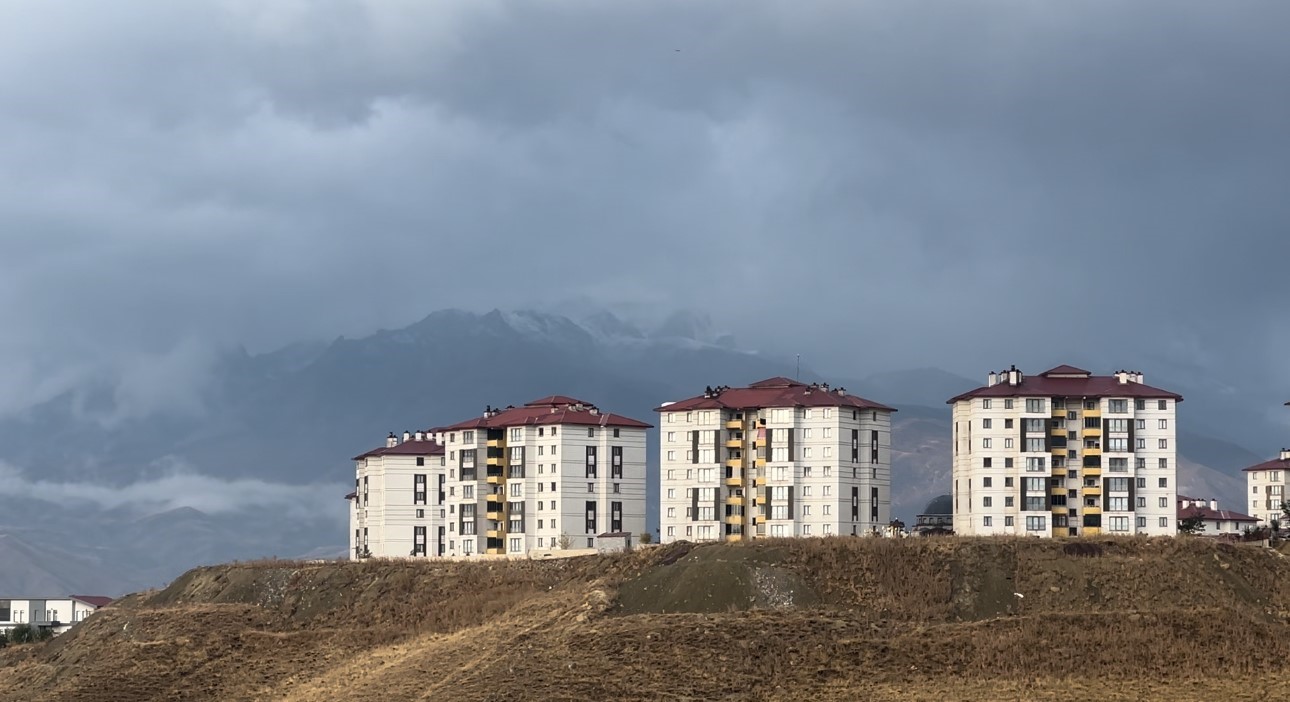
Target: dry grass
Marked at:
913, 619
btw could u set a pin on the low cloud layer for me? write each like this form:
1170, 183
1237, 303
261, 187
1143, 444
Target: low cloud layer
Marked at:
175, 486
895, 184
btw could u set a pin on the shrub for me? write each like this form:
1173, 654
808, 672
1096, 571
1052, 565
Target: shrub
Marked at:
23, 633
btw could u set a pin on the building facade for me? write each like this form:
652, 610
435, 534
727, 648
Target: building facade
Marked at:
548, 476
398, 499
1065, 453
1267, 484
57, 614
778, 458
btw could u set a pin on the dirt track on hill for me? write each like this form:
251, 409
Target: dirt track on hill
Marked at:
822, 619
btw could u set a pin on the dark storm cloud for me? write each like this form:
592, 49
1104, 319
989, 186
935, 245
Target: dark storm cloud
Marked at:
1105, 177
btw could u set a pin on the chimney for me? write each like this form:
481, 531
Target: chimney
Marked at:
992, 379
842, 391
1014, 376
421, 436
1213, 504
1122, 377
391, 441
1137, 377
1285, 454
407, 436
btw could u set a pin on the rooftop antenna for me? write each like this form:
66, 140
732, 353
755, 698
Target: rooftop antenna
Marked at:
798, 374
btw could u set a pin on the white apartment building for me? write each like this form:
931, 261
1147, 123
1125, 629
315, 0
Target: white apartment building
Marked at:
778, 458
55, 613
554, 474
1218, 522
398, 498
1065, 453
1267, 484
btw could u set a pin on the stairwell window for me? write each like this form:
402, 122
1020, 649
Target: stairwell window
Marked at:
1118, 407
1036, 524
1035, 405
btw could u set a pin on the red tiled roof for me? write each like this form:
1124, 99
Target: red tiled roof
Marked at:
1044, 386
96, 600
556, 409
407, 448
1065, 370
1274, 464
1221, 515
774, 392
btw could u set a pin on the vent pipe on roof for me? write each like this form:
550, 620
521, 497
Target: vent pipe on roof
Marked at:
391, 441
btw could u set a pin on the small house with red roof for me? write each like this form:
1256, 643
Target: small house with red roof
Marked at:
1217, 521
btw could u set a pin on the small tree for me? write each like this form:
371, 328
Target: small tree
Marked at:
565, 542
647, 538
1194, 524
4, 638
1276, 529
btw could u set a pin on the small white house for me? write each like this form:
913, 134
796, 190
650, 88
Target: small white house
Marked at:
1217, 521
55, 613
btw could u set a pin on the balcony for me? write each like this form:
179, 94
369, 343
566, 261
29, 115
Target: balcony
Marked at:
735, 424
495, 514
1059, 509
495, 461
734, 538
1057, 431
1091, 431
1091, 471
496, 443
1091, 491
735, 479
736, 518
496, 479
761, 462
495, 533
759, 499
735, 463
495, 497
1095, 412
1092, 510
495, 552
735, 500
734, 443
1092, 450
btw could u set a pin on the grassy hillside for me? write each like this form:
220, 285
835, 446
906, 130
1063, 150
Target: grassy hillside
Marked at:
810, 619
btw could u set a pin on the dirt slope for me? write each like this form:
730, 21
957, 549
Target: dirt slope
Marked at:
816, 619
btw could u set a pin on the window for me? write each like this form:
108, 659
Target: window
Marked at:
1007, 404
1142, 483
985, 482
985, 423
1007, 482
1164, 502
1035, 405
1140, 444
1164, 443
671, 455
828, 509
1141, 522
1118, 426
591, 432
1118, 407
591, 487
1118, 504
1007, 463
1162, 404
1142, 503
1117, 444
517, 489
987, 502
1139, 464
985, 443
517, 434
1007, 424
828, 452
1008, 521
1007, 501
987, 462
986, 521
1118, 523
806, 452
1007, 443
516, 545
1164, 521
1035, 464
1119, 465
985, 404
1163, 464
1036, 524
1036, 446
828, 413
806, 491
421, 514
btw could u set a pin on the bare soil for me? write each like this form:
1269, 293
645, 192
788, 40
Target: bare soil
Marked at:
821, 619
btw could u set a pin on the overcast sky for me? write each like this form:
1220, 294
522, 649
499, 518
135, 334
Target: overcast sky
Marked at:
894, 183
